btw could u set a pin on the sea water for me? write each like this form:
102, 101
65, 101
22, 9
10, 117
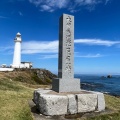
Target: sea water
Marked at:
100, 83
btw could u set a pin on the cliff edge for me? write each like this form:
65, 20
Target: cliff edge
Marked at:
31, 76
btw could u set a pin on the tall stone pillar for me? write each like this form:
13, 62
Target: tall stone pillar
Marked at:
65, 81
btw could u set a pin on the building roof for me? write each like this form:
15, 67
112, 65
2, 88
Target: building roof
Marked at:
18, 33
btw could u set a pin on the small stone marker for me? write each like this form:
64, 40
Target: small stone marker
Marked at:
65, 81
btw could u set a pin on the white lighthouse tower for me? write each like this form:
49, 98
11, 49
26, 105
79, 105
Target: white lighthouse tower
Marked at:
17, 51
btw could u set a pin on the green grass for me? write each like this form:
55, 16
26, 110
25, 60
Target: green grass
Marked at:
114, 116
112, 102
14, 98
14, 101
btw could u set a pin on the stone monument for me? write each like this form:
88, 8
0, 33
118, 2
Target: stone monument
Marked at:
66, 81
66, 97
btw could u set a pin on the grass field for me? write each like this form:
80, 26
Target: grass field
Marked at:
14, 98
113, 104
14, 101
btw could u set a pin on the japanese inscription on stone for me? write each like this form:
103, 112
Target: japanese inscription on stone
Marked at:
68, 46
66, 81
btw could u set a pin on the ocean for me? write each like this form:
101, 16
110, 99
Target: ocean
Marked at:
99, 83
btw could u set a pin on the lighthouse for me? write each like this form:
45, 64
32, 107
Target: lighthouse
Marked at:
17, 51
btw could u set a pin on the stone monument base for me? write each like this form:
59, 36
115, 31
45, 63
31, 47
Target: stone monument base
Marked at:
51, 103
63, 85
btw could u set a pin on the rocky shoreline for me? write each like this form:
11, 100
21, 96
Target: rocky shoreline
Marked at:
93, 86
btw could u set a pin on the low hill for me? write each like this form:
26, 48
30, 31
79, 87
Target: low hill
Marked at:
30, 76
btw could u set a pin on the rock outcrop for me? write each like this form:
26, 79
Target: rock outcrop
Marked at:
31, 76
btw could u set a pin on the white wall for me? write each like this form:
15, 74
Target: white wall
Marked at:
17, 55
25, 65
6, 69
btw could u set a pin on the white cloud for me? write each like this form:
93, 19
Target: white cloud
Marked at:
36, 2
20, 13
49, 49
71, 5
3, 17
6, 48
33, 47
39, 47
87, 2
97, 42
89, 56
49, 56
107, 1
50, 5
46, 8
57, 3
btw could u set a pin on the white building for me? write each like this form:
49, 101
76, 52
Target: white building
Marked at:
26, 65
17, 51
3, 65
4, 68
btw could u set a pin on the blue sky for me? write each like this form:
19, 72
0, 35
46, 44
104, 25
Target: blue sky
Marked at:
96, 38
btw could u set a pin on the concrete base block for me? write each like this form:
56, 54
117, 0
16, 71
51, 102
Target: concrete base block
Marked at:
72, 104
53, 103
63, 85
87, 102
101, 102
37, 94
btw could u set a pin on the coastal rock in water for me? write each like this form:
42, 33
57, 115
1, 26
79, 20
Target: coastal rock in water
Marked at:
109, 76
